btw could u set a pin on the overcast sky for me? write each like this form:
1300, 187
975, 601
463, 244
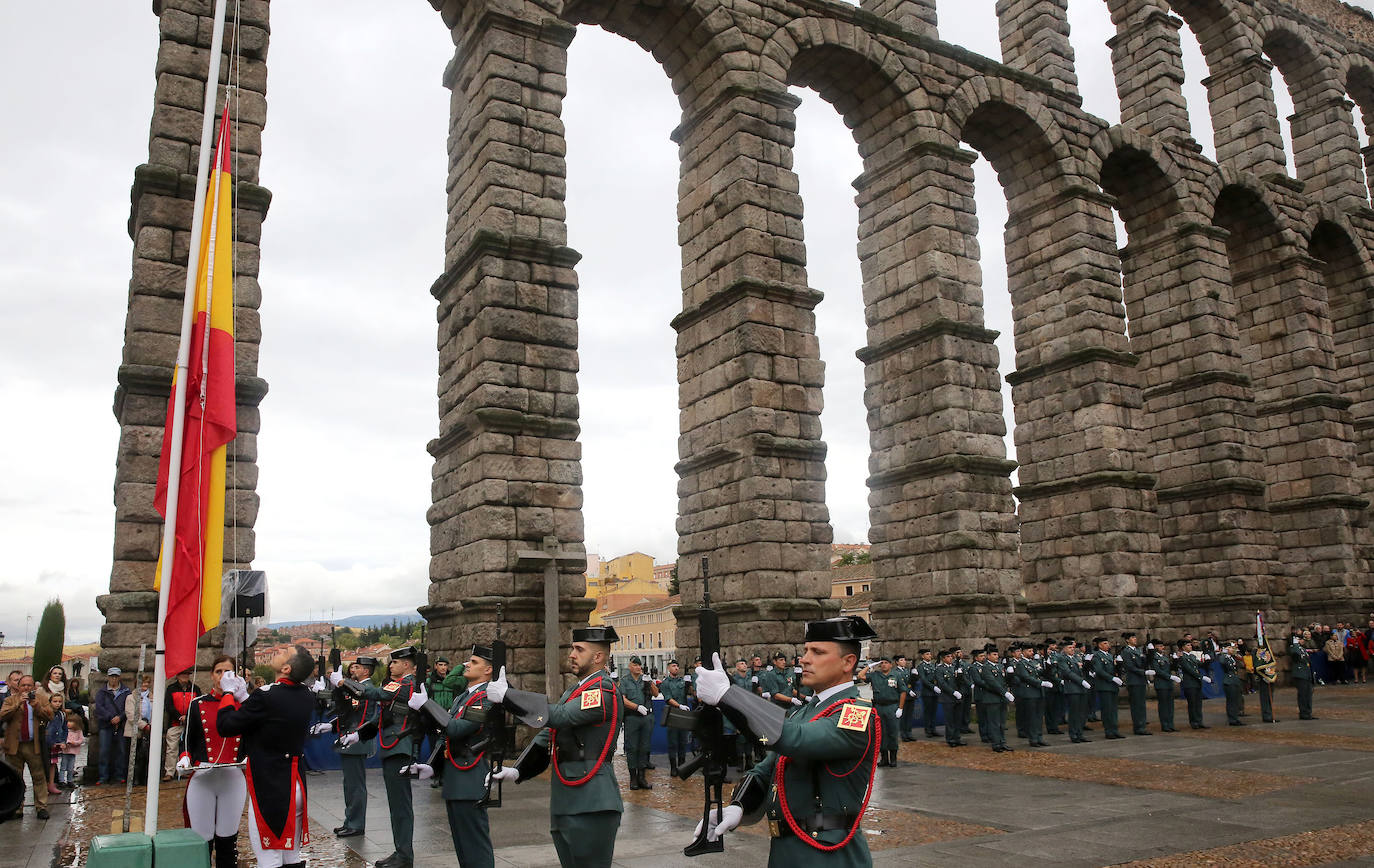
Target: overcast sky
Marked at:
355, 158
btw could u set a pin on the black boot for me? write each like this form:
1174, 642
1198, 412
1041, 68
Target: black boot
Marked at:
634, 779
643, 781
226, 851
672, 766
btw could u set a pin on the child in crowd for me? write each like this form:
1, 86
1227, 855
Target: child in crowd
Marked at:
56, 737
71, 747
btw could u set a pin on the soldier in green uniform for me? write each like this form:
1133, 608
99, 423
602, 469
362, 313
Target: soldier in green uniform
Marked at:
1230, 683
961, 664
814, 784
399, 697
1190, 671
901, 670
1302, 676
743, 749
637, 691
924, 675
887, 692
584, 798
1028, 687
351, 714
1076, 688
992, 695
1106, 684
947, 687
1161, 668
775, 683
1266, 673
974, 673
1055, 711
464, 752
1133, 664
674, 689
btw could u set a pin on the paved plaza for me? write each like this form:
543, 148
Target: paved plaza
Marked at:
1241, 796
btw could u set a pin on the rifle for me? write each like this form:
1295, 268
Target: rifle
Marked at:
498, 734
709, 726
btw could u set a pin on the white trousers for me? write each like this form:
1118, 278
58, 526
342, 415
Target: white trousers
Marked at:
278, 858
214, 801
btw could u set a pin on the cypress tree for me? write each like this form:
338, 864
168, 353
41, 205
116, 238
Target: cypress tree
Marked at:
47, 642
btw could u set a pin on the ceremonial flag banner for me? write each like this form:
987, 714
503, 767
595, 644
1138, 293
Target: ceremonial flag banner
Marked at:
193, 597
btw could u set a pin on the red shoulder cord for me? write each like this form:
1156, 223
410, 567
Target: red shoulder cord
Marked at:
405, 721
875, 734
610, 739
448, 743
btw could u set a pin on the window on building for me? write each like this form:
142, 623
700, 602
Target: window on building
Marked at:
849, 590
865, 587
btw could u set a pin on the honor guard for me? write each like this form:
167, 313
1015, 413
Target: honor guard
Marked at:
352, 713
993, 697
398, 699
584, 798
1133, 668
1055, 713
1231, 667
741, 678
1302, 676
637, 691
902, 670
674, 689
1266, 673
1028, 686
978, 694
814, 784
925, 684
1106, 684
775, 683
1161, 665
947, 688
1192, 679
217, 790
887, 692
961, 666
1076, 689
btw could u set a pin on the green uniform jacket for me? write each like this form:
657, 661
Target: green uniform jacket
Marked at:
990, 682
887, 689
466, 773
443, 690
777, 683
1103, 668
925, 676
1071, 671
1163, 667
1025, 679
674, 689
825, 761
1302, 664
1230, 671
1133, 662
353, 713
947, 679
589, 723
1191, 669
1049, 671
396, 737
743, 682
636, 690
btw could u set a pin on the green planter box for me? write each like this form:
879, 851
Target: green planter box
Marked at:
129, 850
180, 848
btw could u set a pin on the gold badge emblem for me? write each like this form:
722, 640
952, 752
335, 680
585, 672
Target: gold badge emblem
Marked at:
591, 699
854, 717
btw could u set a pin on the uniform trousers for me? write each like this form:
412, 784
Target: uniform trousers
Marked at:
171, 747
984, 733
677, 746
996, 714
278, 858
398, 801
928, 706
31, 757
888, 715
467, 823
1304, 686
1164, 705
1233, 702
585, 840
908, 715
355, 790
965, 709
1139, 719
638, 729
951, 708
1194, 697
214, 801
1078, 713
1266, 699
1106, 706
1033, 712
1054, 709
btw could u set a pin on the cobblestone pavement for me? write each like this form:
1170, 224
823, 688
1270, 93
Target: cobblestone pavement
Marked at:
1294, 793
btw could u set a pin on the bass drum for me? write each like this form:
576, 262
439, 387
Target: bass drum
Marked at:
11, 790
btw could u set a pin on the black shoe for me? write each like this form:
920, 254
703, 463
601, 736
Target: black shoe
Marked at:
650, 766
1170, 729
997, 748
1203, 726
392, 861
1143, 733
643, 781
634, 779
1006, 749
42, 813
1054, 732
345, 832
1308, 717
1040, 744
1084, 740
932, 735
338, 829
1235, 723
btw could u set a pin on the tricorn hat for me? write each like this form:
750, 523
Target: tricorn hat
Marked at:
483, 651
850, 628
602, 634
404, 653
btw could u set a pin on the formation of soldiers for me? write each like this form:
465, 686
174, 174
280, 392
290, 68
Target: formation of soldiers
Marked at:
783, 723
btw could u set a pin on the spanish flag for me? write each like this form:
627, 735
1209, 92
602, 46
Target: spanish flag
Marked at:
193, 600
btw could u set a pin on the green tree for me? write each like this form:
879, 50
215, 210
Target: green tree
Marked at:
849, 559
672, 583
265, 672
346, 639
47, 642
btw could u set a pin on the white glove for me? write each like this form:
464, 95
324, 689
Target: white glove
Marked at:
1207, 679
508, 773
419, 770
348, 739
321, 728
645, 677
418, 698
642, 709
1117, 681
1046, 684
1010, 697
958, 695
231, 683
318, 686
796, 701
496, 690
1149, 646
335, 678
1087, 683
727, 820
687, 678
911, 693
712, 683
937, 688
767, 695
1010, 669
754, 680
899, 712
1206, 658
1175, 679
1118, 658
184, 764
1150, 673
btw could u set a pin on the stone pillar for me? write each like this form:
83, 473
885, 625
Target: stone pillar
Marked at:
752, 464
507, 464
1089, 532
1220, 558
1035, 38
917, 16
162, 201
1326, 152
1147, 59
1244, 126
943, 524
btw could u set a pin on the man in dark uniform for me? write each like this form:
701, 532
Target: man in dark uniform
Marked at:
1054, 694
815, 782
961, 665
775, 683
741, 747
974, 673
352, 714
1231, 667
1028, 687
1134, 665
947, 687
584, 798
1190, 670
397, 699
924, 675
637, 692
1106, 684
1266, 673
674, 689
902, 671
1302, 676
273, 722
1160, 663
1076, 688
887, 691
992, 696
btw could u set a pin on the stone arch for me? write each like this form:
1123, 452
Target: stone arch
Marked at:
1147, 66
1358, 75
1164, 187
1029, 129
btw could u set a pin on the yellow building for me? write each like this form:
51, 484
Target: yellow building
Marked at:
622, 582
648, 631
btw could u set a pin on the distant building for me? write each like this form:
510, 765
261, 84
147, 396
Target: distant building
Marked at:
663, 574
647, 630
622, 582
839, 550
852, 585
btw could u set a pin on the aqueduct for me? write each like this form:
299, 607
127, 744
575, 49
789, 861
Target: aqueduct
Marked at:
1214, 458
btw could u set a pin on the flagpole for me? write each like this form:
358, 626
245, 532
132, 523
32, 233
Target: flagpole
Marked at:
174, 444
